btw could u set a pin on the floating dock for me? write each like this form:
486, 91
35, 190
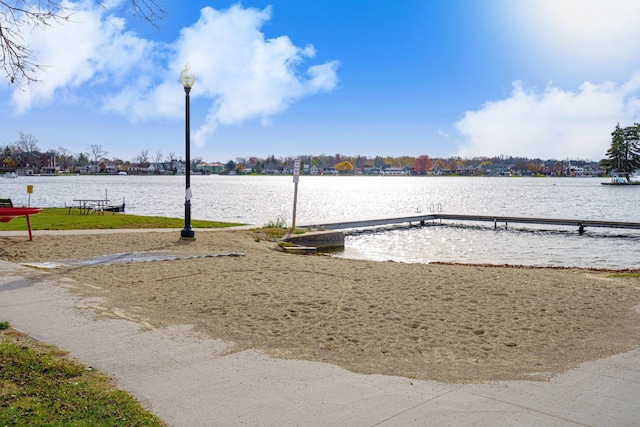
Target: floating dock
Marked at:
423, 219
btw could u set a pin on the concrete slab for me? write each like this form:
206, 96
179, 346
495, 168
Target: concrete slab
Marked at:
580, 395
461, 408
187, 379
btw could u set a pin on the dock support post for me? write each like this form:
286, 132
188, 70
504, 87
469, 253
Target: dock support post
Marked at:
495, 224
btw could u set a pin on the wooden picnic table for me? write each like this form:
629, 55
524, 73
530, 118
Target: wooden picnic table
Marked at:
87, 205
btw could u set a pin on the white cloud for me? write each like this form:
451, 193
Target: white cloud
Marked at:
573, 41
92, 48
242, 74
553, 123
576, 36
246, 75
444, 134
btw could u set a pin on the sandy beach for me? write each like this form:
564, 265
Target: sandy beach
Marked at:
451, 323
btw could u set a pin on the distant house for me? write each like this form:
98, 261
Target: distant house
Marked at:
372, 171
177, 167
329, 171
394, 171
575, 171
468, 171
314, 170
495, 169
24, 171
441, 171
518, 170
85, 169
210, 168
35, 162
156, 168
557, 169
270, 169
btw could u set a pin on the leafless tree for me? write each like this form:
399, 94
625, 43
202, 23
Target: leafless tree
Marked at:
195, 162
64, 157
63, 152
97, 152
157, 159
19, 17
27, 143
143, 158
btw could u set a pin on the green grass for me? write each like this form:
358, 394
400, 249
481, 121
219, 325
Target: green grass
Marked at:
40, 386
61, 219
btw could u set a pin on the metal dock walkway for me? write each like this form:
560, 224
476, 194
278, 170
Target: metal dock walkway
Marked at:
422, 219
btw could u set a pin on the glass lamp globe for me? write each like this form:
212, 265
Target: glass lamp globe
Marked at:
187, 78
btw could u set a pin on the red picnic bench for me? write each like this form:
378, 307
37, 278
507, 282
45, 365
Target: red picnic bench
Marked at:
8, 212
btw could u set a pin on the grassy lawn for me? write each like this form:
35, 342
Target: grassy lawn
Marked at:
61, 219
39, 385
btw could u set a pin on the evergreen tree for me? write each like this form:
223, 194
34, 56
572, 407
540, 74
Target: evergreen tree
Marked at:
624, 153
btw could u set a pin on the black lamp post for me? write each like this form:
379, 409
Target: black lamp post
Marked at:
187, 78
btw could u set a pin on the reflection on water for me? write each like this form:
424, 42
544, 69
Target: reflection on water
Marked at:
484, 245
261, 199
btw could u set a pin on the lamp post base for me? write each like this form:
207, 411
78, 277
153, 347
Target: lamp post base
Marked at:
188, 234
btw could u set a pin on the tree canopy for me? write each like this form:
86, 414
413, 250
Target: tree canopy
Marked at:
624, 153
422, 164
344, 166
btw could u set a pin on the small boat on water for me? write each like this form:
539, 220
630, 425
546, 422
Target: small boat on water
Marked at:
617, 179
118, 208
114, 208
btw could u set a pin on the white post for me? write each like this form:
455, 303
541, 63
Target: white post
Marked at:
296, 178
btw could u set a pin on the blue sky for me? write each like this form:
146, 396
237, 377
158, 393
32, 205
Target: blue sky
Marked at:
535, 78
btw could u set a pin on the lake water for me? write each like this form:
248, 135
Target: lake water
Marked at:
261, 199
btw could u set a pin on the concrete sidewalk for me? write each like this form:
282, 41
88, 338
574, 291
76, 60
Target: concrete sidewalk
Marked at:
187, 380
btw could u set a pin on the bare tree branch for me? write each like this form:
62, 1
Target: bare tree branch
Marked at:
150, 11
97, 152
19, 17
27, 143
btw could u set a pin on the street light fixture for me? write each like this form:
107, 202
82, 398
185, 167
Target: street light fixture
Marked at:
187, 78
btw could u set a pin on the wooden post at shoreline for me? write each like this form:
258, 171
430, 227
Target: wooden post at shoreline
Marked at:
296, 178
